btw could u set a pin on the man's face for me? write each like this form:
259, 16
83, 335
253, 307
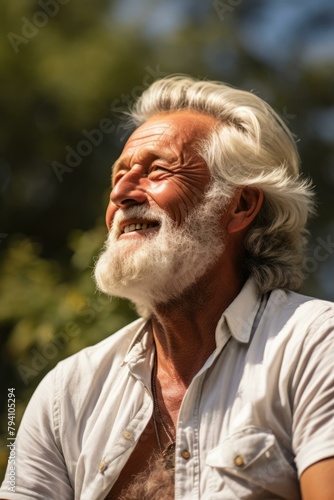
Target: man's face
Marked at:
165, 229
160, 168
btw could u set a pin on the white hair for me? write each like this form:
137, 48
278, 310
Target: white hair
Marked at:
251, 146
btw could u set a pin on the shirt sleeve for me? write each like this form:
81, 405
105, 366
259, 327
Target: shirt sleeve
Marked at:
40, 470
313, 397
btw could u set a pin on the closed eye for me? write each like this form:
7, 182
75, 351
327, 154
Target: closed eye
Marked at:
154, 168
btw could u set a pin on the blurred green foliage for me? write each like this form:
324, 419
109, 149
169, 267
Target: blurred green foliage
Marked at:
48, 313
63, 72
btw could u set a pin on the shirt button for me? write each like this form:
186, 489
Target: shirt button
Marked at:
239, 461
127, 435
185, 454
102, 467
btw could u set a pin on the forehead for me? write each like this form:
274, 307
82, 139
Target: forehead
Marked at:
177, 129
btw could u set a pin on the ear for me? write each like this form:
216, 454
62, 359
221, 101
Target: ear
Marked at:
244, 207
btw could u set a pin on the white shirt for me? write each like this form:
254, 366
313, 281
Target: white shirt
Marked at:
257, 414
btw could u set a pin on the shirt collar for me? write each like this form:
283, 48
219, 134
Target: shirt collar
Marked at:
239, 318
241, 313
141, 341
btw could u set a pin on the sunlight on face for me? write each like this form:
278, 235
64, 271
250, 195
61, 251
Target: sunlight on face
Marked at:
159, 268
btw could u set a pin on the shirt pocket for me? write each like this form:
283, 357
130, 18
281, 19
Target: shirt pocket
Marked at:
250, 464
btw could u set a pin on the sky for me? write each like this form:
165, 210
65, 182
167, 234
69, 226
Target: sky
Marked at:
273, 30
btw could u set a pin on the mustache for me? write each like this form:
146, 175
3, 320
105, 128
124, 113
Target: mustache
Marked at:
137, 211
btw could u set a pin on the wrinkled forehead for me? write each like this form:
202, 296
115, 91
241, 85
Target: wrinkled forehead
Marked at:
179, 128
149, 134
172, 136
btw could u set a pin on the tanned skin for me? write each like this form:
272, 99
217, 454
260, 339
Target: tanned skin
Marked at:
159, 167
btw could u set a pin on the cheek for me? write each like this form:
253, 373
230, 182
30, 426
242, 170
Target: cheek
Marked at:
110, 214
177, 199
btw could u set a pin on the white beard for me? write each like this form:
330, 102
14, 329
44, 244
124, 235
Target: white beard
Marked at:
160, 267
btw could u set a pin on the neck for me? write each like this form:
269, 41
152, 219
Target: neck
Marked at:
184, 329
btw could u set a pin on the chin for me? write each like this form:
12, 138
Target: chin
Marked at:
158, 269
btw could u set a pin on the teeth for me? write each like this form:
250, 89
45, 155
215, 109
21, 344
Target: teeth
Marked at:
134, 227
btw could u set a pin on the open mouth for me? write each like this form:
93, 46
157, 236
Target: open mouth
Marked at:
137, 226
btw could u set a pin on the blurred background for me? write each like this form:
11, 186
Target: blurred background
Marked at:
69, 68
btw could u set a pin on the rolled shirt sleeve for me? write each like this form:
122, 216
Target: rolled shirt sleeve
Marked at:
313, 396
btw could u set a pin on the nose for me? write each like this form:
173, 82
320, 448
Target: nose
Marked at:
128, 190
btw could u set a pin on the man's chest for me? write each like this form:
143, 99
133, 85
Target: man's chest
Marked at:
144, 475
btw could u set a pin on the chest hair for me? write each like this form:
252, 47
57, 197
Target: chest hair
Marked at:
154, 483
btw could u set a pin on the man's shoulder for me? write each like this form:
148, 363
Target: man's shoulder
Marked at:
300, 303
103, 356
297, 308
